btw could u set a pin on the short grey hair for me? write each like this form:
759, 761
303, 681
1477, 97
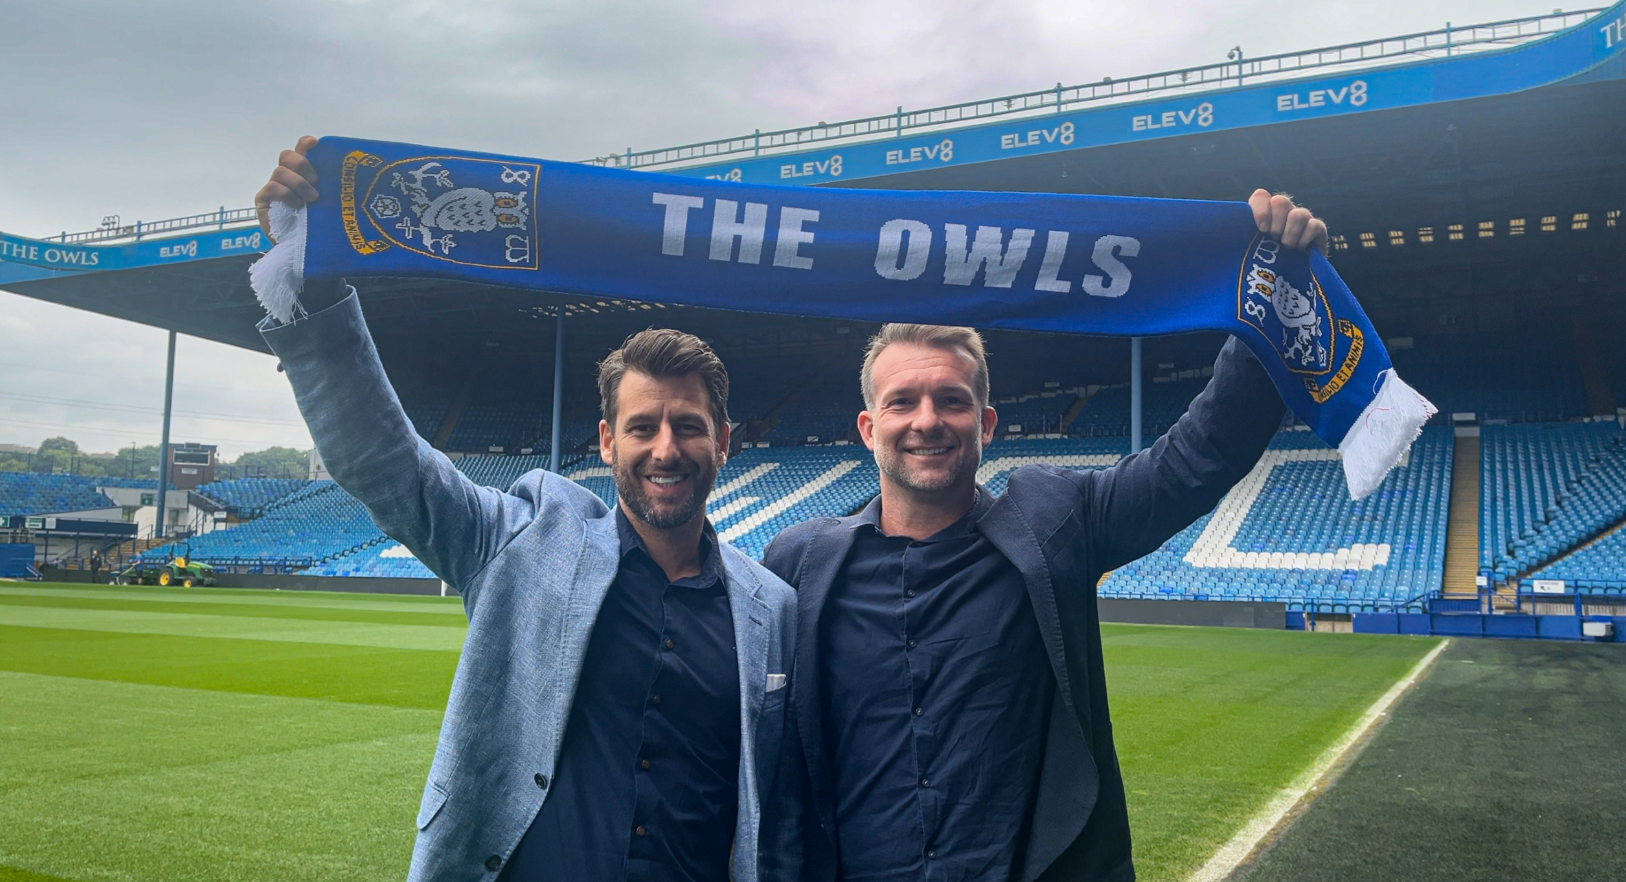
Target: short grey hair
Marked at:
963, 340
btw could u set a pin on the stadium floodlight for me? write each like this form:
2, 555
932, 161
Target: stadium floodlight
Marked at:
1612, 218
1515, 226
1368, 240
1397, 237
1579, 220
1549, 223
1339, 243
1487, 229
1453, 232
1425, 234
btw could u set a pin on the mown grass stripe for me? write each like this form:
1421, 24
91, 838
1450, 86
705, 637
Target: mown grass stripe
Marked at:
386, 636
258, 610
253, 596
325, 671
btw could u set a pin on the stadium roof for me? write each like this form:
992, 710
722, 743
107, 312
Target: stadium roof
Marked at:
1468, 157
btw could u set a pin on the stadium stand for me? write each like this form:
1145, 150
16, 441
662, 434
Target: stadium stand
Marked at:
22, 493
499, 471
1036, 413
1107, 411
387, 560
1527, 379
302, 529
247, 498
1546, 488
1599, 567
1290, 533
1006, 456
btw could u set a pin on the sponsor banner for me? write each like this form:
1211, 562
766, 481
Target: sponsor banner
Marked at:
1564, 55
46, 254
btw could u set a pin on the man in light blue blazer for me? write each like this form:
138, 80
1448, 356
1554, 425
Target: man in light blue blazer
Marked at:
619, 705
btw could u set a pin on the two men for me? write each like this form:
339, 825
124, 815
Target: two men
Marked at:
949, 694
620, 702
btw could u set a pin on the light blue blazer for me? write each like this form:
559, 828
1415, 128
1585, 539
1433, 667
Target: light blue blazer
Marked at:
532, 565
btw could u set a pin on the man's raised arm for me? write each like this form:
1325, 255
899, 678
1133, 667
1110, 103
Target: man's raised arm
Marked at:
413, 492
1137, 505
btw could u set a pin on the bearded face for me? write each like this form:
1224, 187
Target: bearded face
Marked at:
664, 451
663, 493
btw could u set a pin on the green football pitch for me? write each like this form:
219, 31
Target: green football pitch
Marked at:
218, 734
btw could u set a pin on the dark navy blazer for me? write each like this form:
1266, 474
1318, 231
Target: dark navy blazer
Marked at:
1062, 529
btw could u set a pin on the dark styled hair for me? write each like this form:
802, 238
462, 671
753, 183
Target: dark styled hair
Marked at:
663, 352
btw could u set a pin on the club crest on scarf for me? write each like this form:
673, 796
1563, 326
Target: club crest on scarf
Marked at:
474, 212
1295, 319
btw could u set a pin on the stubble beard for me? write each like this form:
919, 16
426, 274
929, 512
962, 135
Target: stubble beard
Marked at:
630, 487
893, 463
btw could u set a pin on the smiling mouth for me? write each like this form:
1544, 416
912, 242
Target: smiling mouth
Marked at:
664, 480
926, 451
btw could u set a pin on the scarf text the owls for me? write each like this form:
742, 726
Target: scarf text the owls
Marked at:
1040, 262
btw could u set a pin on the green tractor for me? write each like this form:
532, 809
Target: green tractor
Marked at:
181, 570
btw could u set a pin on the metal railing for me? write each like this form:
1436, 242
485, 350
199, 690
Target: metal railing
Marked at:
112, 230
1445, 42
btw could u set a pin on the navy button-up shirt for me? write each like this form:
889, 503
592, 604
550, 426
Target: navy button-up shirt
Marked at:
936, 691
647, 786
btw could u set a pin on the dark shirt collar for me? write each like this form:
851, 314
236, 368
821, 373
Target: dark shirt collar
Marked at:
871, 517
631, 542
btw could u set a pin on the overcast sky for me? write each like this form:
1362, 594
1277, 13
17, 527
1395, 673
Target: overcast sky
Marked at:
165, 108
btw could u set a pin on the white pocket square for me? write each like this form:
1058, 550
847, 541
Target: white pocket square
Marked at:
776, 682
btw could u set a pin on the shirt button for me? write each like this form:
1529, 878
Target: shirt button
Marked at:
931, 854
909, 593
639, 830
644, 764
925, 782
654, 699
541, 780
669, 643
911, 644
494, 863
920, 711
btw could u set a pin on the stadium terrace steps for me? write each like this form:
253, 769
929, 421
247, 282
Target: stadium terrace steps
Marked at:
1462, 530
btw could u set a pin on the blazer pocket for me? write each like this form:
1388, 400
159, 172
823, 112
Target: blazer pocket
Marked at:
434, 799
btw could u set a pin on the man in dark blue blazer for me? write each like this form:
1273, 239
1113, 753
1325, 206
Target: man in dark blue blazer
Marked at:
950, 696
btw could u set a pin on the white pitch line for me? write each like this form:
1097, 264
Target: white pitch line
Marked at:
1232, 853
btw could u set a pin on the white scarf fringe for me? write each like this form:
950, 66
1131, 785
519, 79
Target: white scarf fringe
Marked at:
279, 276
1382, 434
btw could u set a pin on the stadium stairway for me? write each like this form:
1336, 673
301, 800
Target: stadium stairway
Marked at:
1074, 409
1594, 567
1462, 530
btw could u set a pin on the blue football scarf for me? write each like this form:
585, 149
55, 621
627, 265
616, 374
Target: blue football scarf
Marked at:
1023, 261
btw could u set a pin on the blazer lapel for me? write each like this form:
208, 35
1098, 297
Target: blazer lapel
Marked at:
821, 565
751, 640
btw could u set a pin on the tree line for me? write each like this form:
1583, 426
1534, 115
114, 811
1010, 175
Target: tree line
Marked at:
62, 456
